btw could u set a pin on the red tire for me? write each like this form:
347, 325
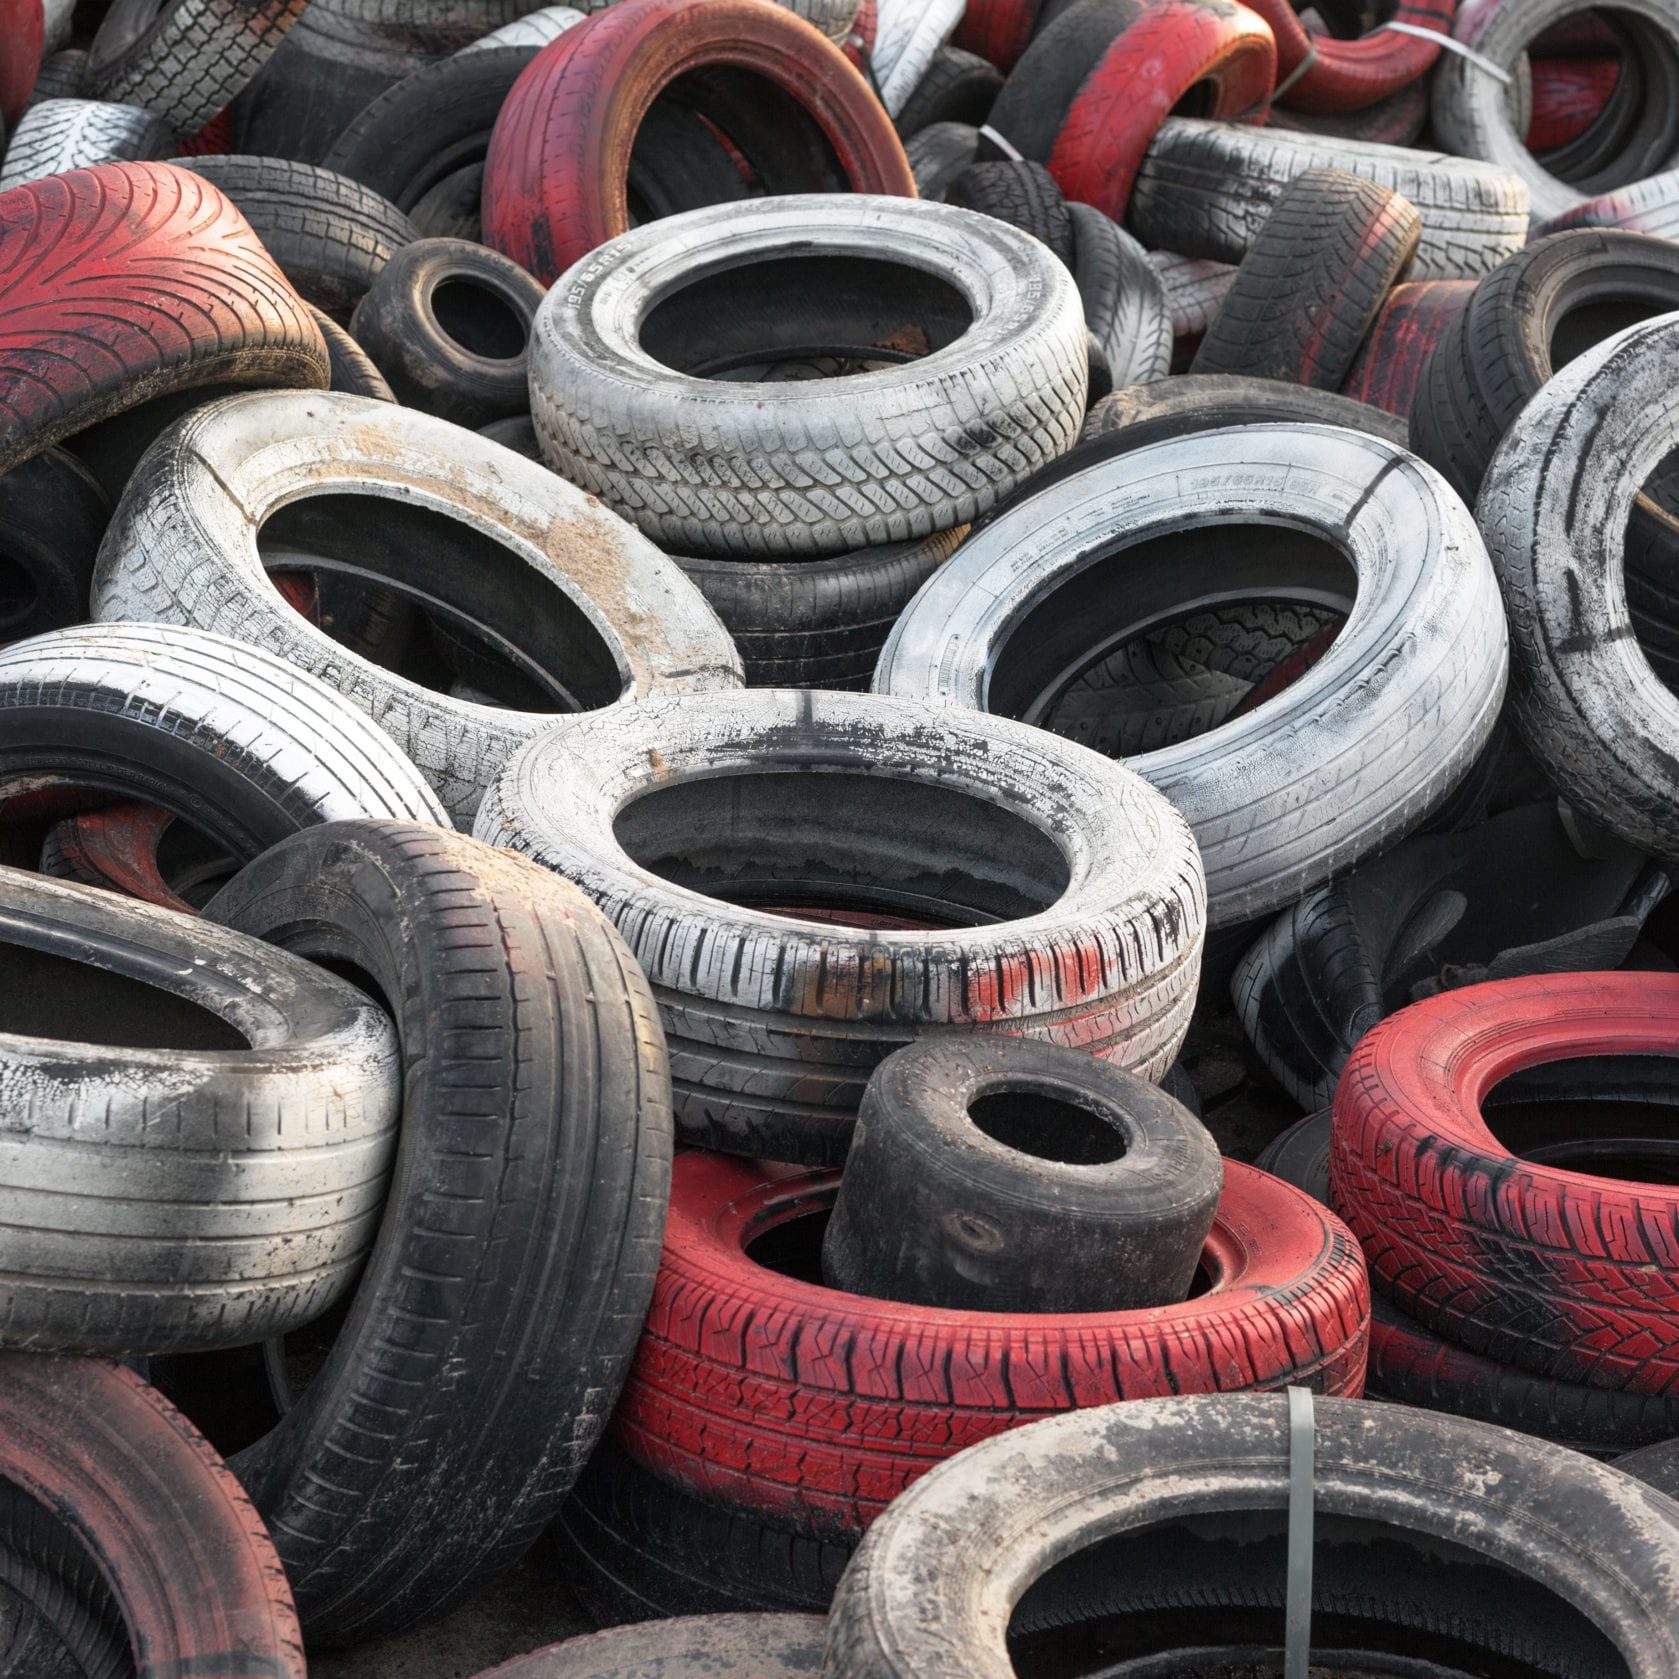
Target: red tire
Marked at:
126, 282
178, 1543
1389, 365
1348, 75
117, 848
1567, 1274
1172, 46
21, 35
813, 1409
556, 176
1569, 95
997, 29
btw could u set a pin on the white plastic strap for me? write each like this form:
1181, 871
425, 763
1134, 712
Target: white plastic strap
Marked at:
989, 133
1451, 45
1302, 1504
1297, 72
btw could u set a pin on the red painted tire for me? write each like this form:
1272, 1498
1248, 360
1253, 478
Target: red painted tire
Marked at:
813, 1409
556, 176
21, 34
1389, 365
1569, 95
117, 848
172, 291
178, 1543
1173, 45
1348, 75
1564, 1273
997, 29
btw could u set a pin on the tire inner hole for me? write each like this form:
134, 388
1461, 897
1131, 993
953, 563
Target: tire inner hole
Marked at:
788, 837
1626, 1128
480, 318
18, 593
437, 602
1047, 1127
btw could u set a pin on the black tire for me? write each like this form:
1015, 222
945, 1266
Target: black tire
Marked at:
1022, 194
448, 323
1002, 1175
940, 153
330, 235
454, 208
52, 516
66, 1624
745, 1646
635, 1548
1397, 120
958, 87
429, 126
62, 76
494, 1323
815, 623
1125, 304
1312, 282
353, 371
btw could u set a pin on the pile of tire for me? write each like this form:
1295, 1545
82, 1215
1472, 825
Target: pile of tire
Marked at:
707, 710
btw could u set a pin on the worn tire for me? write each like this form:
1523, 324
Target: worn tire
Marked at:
140, 850
1022, 194
1647, 206
957, 87
1205, 189
62, 76
1317, 72
1195, 290
1274, 809
58, 135
493, 1324
908, 34
52, 516
937, 155
1125, 302
746, 1646
569, 598
352, 369
777, 1019
826, 465
1203, 402
1390, 368
534, 29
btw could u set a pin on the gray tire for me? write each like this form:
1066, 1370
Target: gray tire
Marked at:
1195, 287
938, 154
61, 134
173, 1188
1477, 116
691, 1647
1205, 189
1125, 302
62, 76
576, 597
907, 35
823, 465
1022, 885
185, 59
1356, 751
1647, 206
235, 741
536, 29
1553, 509
1574, 1544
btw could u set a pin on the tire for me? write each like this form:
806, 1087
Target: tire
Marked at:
353, 372
958, 87
1654, 1465
1390, 367
817, 623
1569, 96
331, 236
185, 59
554, 181
1475, 117
836, 1402
62, 76
1095, 85
1116, 1486
52, 515
1317, 72
748, 1646
1511, 896
828, 470
228, 1144
493, 1324
1398, 120
938, 154
908, 34
174, 1539
1022, 194
1529, 1277
449, 324
1205, 189
188, 297
425, 128
777, 1019
1125, 303
1554, 508
1275, 807
139, 850
571, 609
1203, 402
635, 1549
1195, 289
452, 208
22, 47
63, 134
1647, 206
1022, 1177
997, 30
534, 29
1313, 281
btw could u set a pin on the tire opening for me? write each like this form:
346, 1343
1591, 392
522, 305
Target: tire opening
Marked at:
804, 317
1200, 100
1387, 1604
479, 316
1047, 1127
1157, 641
18, 594
1578, 329
1612, 1116
44, 995
845, 841
430, 599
